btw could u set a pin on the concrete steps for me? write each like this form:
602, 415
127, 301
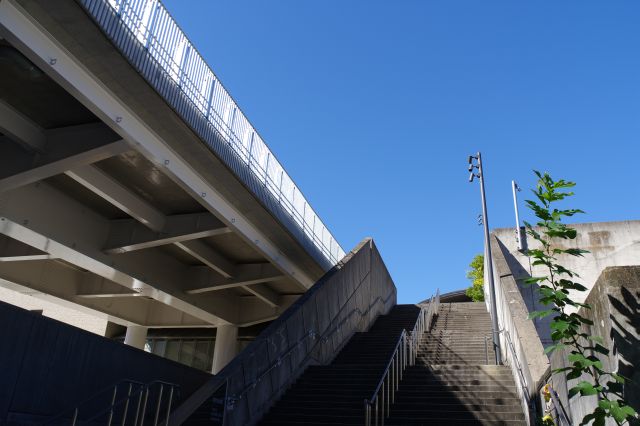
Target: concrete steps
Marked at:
453, 382
334, 394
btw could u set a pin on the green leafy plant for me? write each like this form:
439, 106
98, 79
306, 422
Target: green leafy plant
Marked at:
567, 326
476, 276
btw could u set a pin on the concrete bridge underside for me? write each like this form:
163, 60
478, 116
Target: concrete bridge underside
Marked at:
110, 202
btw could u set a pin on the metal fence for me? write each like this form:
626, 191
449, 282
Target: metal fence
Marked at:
154, 44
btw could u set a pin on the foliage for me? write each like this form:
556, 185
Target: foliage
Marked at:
476, 276
555, 292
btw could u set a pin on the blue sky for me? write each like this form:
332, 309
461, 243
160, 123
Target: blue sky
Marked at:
374, 106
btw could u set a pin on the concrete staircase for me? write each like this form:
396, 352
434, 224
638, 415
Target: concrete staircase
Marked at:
334, 394
452, 383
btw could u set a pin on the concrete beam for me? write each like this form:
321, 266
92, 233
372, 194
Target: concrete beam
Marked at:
20, 128
64, 149
129, 235
117, 194
15, 251
245, 275
19, 28
265, 294
49, 220
209, 257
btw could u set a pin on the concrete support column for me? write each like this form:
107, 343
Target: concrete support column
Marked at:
136, 336
226, 347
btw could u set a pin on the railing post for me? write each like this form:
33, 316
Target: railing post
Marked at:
75, 417
144, 405
113, 401
486, 351
155, 418
126, 405
166, 423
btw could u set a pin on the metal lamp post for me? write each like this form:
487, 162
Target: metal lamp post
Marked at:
487, 244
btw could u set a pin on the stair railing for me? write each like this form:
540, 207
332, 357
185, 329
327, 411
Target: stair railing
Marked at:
554, 405
377, 407
528, 403
311, 334
130, 402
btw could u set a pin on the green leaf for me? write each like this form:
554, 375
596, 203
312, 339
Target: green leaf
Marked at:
552, 348
618, 378
540, 314
584, 388
620, 412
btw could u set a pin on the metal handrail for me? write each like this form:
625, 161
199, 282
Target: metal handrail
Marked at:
389, 382
151, 28
230, 400
558, 407
523, 381
404, 353
323, 339
135, 390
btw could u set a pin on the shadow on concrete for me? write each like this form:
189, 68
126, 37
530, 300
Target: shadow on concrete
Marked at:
626, 348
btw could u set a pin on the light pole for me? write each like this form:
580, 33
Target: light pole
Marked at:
519, 234
487, 245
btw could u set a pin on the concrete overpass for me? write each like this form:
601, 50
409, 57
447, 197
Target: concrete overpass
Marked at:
132, 185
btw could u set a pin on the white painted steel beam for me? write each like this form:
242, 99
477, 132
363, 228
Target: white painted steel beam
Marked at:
129, 235
24, 33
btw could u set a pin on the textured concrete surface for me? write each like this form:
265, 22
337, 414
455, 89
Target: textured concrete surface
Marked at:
609, 244
35, 301
512, 318
346, 300
615, 301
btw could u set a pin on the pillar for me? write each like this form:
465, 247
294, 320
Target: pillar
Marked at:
226, 347
136, 336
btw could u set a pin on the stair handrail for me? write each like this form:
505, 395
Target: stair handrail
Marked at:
135, 389
530, 403
404, 353
322, 339
553, 403
390, 381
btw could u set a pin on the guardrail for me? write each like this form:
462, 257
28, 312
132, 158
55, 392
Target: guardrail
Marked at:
377, 407
154, 44
127, 401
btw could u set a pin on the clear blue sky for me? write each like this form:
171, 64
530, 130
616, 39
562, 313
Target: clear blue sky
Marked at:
374, 106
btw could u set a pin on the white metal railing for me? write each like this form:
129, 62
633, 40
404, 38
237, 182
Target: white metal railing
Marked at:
153, 28
377, 407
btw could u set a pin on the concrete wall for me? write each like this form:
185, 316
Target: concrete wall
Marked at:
520, 345
346, 300
49, 367
35, 301
615, 299
609, 243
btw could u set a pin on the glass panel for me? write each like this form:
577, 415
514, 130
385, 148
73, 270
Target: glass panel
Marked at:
173, 350
186, 352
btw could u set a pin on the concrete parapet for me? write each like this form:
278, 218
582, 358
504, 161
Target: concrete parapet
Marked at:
313, 330
520, 344
615, 312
